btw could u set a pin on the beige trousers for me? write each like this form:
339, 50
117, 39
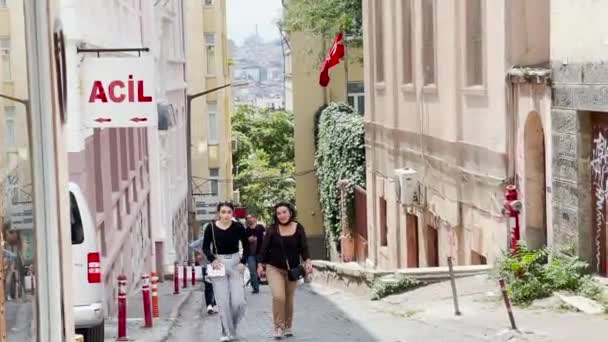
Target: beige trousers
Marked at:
283, 292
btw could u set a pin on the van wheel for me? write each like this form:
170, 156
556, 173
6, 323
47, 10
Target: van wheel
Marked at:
94, 334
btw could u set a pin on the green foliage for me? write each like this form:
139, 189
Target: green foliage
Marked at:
264, 160
385, 287
532, 275
340, 155
324, 17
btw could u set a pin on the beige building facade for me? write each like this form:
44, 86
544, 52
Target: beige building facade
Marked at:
15, 173
207, 68
456, 94
305, 97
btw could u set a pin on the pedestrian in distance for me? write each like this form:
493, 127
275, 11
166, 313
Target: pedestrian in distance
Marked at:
284, 259
255, 235
227, 267
197, 247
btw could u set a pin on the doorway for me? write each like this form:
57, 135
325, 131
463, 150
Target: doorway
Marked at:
535, 183
432, 246
411, 232
599, 176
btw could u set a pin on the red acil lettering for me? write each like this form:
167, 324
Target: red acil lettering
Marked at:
98, 93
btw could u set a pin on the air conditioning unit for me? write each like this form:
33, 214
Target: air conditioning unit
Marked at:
407, 186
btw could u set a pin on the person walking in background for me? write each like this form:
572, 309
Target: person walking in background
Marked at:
197, 247
285, 256
229, 266
255, 235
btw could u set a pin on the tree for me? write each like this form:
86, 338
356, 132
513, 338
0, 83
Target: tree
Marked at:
324, 17
264, 160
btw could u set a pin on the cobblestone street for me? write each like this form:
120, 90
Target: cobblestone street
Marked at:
322, 314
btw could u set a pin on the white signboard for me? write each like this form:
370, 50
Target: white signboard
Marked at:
22, 216
119, 92
206, 207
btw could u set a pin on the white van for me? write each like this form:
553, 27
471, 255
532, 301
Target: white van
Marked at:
86, 258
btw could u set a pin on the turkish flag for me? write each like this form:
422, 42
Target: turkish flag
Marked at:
333, 58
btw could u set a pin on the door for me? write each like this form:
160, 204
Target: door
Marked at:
432, 246
599, 174
360, 224
411, 233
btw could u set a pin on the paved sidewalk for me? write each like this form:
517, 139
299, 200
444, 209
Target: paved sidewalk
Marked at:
169, 305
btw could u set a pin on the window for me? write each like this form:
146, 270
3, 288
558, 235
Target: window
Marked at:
474, 43
213, 123
214, 175
428, 41
5, 59
210, 48
356, 96
208, 2
406, 32
10, 134
76, 222
379, 39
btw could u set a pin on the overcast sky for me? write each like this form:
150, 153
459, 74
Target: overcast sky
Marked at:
243, 15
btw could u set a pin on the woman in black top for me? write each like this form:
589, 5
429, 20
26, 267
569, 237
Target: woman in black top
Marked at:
225, 235
284, 247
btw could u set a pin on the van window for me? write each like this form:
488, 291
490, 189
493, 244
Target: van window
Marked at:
76, 222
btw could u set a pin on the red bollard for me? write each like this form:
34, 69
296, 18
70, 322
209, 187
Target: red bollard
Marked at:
122, 308
145, 291
185, 274
155, 307
505, 297
175, 279
193, 275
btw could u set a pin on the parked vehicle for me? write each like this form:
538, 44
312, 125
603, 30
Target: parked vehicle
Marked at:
86, 258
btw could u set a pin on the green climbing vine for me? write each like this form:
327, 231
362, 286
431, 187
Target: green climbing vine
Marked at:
340, 155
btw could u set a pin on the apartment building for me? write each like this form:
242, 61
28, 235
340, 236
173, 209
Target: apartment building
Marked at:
580, 128
134, 178
456, 97
15, 171
305, 97
207, 68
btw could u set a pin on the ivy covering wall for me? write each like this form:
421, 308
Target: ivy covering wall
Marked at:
340, 155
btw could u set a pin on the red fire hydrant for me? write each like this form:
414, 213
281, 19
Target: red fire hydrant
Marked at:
513, 208
122, 308
145, 291
175, 278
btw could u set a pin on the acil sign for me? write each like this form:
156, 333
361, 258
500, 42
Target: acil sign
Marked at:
119, 92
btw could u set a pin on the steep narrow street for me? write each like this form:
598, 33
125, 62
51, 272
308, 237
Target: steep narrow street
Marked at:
322, 314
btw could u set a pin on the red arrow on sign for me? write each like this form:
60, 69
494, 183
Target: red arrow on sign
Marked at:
137, 119
102, 120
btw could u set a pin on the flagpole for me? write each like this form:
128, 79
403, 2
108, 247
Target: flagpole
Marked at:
346, 66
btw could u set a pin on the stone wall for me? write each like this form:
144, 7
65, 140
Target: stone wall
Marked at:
576, 93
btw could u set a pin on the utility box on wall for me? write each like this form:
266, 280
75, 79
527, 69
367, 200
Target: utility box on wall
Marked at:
407, 186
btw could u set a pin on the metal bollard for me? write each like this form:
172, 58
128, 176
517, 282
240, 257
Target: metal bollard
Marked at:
185, 280
122, 308
193, 273
175, 279
505, 296
453, 282
155, 307
145, 291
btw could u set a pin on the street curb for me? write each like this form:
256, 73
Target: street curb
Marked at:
175, 314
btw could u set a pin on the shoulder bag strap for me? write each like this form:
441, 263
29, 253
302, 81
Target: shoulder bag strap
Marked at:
213, 235
278, 232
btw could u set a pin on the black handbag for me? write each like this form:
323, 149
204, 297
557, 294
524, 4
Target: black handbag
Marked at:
293, 274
